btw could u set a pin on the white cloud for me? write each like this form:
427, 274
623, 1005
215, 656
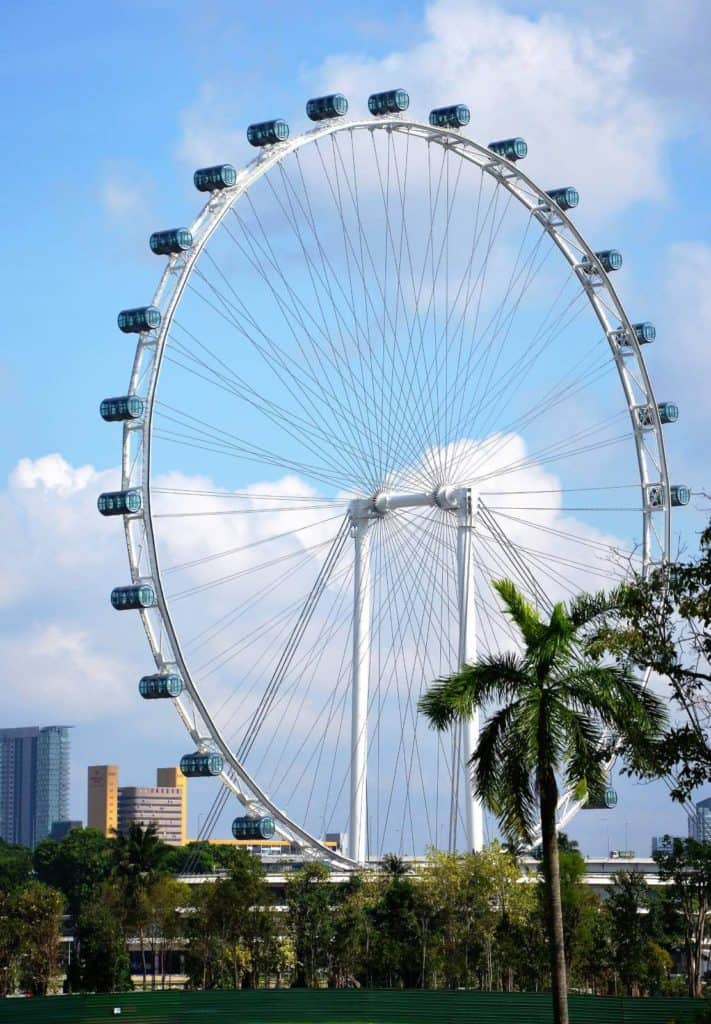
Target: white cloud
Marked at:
123, 199
571, 89
562, 86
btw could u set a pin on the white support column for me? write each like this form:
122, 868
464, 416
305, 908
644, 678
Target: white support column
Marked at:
467, 654
362, 599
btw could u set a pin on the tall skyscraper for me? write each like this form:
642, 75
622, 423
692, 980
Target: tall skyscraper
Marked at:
700, 823
34, 782
102, 797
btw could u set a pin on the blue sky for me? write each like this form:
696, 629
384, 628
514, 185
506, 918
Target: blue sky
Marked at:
108, 109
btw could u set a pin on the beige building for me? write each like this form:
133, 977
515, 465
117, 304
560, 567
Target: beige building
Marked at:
102, 797
165, 805
174, 778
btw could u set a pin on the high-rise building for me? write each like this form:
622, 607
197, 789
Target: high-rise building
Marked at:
173, 778
158, 805
700, 822
662, 844
102, 797
34, 782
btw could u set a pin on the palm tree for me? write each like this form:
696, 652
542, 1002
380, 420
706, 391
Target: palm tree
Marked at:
138, 855
554, 709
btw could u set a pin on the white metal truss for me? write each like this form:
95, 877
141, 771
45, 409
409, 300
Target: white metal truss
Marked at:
137, 442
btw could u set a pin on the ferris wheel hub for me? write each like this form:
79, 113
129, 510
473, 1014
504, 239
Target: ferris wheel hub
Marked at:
448, 498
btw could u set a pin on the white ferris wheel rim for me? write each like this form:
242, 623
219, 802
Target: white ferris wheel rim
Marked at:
137, 435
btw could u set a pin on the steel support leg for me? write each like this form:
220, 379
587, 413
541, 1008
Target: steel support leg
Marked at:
362, 598
473, 819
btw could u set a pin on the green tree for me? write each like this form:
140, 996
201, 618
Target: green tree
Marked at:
15, 866
663, 620
101, 961
162, 900
554, 708
628, 906
77, 865
39, 920
579, 907
138, 860
9, 943
688, 868
308, 897
241, 919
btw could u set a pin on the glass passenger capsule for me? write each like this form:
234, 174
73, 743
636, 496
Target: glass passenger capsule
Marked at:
605, 800
135, 321
253, 828
126, 407
321, 108
645, 332
392, 102
668, 412
610, 259
211, 179
565, 198
163, 243
511, 149
160, 686
456, 116
200, 764
137, 596
266, 133
680, 495
119, 503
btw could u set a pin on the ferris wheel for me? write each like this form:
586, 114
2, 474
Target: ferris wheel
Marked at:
381, 368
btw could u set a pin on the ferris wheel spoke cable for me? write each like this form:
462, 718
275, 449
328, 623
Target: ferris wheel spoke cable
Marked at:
535, 457
201, 428
326, 275
348, 456
215, 815
220, 581
307, 393
354, 259
511, 378
397, 565
544, 334
406, 368
396, 412
579, 539
282, 667
259, 542
290, 312
546, 557
510, 381
568, 388
360, 332
520, 280
280, 418
310, 657
399, 632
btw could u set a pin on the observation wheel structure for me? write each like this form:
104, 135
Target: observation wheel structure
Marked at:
381, 368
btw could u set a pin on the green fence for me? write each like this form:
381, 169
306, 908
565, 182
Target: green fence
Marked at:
328, 1006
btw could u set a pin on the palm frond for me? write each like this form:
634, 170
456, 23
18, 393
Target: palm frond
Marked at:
495, 677
517, 607
585, 608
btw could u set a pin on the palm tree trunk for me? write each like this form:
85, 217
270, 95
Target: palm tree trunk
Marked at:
551, 874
